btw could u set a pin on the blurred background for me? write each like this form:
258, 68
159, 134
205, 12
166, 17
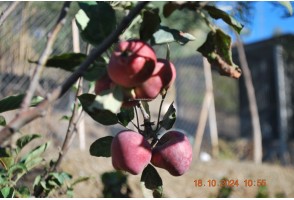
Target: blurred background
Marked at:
213, 110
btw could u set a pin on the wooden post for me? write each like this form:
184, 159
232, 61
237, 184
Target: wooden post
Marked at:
211, 115
257, 135
282, 103
207, 112
81, 124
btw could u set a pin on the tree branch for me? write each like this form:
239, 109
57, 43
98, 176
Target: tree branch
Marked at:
8, 11
52, 36
29, 115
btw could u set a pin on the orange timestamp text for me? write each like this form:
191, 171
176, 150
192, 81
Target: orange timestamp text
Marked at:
229, 183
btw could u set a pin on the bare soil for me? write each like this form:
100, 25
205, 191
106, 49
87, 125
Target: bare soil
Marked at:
279, 180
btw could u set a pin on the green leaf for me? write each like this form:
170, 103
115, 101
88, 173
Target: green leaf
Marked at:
109, 100
24, 140
23, 191
96, 110
2, 121
29, 158
69, 192
67, 61
96, 21
126, 115
34, 163
287, 5
152, 180
96, 70
37, 181
14, 102
150, 24
16, 168
219, 14
166, 35
6, 162
60, 177
65, 117
71, 61
7, 192
102, 107
146, 107
79, 180
101, 147
218, 51
169, 118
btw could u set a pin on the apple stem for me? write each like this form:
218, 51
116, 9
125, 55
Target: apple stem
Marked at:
137, 117
148, 131
160, 107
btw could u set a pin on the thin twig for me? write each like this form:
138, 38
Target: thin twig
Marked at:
70, 129
52, 36
138, 123
39, 111
70, 133
8, 11
159, 113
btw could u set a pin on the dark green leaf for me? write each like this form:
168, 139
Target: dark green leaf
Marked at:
152, 180
126, 115
95, 110
2, 121
96, 70
5, 152
24, 140
101, 147
169, 8
219, 14
23, 191
67, 61
150, 24
287, 5
217, 49
169, 118
71, 61
96, 21
13, 102
7, 192
166, 35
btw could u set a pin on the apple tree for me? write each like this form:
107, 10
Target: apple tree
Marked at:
125, 74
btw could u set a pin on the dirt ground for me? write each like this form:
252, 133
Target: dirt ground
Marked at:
279, 180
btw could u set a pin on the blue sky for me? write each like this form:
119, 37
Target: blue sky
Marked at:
268, 19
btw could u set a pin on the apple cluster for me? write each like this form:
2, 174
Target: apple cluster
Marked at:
134, 66
131, 152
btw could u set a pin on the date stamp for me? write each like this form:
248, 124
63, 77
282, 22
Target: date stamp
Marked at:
229, 183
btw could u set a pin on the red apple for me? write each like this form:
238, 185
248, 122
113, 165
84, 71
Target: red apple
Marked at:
167, 72
162, 77
173, 152
131, 63
130, 152
104, 83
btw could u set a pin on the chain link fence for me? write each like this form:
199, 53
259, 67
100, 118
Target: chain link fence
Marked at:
23, 38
